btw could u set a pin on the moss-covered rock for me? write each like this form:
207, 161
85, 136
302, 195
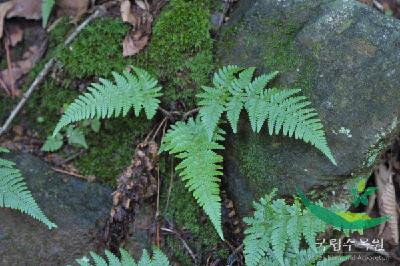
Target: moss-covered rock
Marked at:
334, 53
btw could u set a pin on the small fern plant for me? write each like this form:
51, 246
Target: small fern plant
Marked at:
14, 193
275, 232
158, 259
197, 141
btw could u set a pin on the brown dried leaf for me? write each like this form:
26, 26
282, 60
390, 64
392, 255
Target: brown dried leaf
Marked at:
72, 8
23, 66
29, 9
4, 8
14, 33
141, 20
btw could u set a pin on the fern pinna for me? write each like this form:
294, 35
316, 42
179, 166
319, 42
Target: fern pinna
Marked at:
106, 99
14, 193
275, 232
200, 166
158, 259
235, 89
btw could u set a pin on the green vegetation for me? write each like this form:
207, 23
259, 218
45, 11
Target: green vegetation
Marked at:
14, 193
158, 259
275, 233
184, 211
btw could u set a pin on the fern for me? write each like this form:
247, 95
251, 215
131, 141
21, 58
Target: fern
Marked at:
14, 193
53, 143
159, 259
200, 166
275, 232
235, 89
47, 6
106, 99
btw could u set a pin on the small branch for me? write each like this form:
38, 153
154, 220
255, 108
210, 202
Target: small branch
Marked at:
87, 178
190, 113
49, 65
42, 75
184, 243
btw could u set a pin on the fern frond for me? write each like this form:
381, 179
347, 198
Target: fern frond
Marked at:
14, 193
47, 6
235, 89
200, 165
159, 259
275, 231
106, 99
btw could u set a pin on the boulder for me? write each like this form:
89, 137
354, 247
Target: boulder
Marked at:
76, 206
345, 56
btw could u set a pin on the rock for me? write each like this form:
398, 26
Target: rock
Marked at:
346, 58
76, 206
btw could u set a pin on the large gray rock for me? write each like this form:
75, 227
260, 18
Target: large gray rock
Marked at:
346, 58
76, 206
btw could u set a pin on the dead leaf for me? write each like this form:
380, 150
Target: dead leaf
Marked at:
141, 19
14, 33
29, 9
72, 8
4, 8
23, 66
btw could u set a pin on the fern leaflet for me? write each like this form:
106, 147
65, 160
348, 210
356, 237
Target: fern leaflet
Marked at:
159, 259
14, 193
275, 232
200, 166
106, 99
47, 6
235, 89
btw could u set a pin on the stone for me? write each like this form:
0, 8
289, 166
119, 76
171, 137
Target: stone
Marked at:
345, 57
79, 209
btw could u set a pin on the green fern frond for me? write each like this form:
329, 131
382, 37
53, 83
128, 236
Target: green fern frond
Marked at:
275, 231
47, 6
106, 99
53, 143
200, 165
235, 89
159, 259
14, 193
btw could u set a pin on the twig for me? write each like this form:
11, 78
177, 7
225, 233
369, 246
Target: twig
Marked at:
189, 113
185, 245
99, 11
27, 94
71, 173
171, 180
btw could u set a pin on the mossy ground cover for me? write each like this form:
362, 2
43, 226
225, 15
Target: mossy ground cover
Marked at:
179, 54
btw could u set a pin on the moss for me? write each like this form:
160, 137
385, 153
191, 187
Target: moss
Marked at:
281, 54
97, 50
179, 54
187, 215
181, 35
